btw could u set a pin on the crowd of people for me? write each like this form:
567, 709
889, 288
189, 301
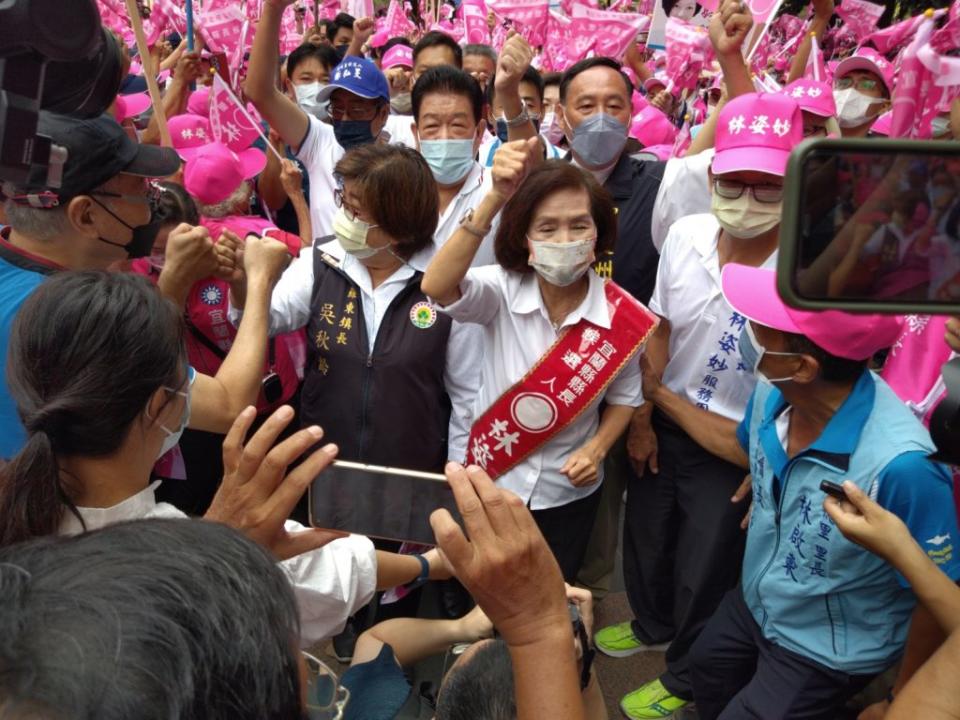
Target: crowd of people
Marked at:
557, 285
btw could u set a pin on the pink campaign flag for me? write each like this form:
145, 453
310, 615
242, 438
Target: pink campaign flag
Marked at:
397, 24
816, 68
358, 8
528, 16
914, 88
947, 38
860, 16
612, 32
221, 23
230, 122
688, 49
474, 14
897, 35
562, 48
763, 9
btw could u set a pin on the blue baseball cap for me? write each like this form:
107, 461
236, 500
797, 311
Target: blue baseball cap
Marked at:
359, 76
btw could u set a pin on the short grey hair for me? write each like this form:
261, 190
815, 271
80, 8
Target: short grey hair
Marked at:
480, 49
37, 223
235, 204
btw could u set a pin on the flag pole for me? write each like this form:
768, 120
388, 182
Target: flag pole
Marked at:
150, 72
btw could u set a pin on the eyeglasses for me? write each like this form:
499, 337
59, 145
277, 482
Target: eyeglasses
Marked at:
362, 110
845, 83
733, 189
340, 201
326, 698
151, 195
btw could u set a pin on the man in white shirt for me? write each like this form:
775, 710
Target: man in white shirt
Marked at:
359, 107
682, 536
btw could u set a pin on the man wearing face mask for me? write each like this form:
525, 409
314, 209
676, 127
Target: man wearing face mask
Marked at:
862, 88
100, 215
815, 617
682, 537
530, 92
359, 104
308, 72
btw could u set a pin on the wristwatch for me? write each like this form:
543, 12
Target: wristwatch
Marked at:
519, 119
466, 222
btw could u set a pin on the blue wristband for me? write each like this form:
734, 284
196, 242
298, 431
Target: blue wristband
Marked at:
423, 576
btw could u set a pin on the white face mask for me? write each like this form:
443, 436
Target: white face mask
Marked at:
351, 233
745, 217
173, 436
550, 128
853, 107
307, 99
561, 264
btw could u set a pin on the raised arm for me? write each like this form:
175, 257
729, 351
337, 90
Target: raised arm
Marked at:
822, 12
515, 58
218, 400
292, 180
362, 30
448, 267
280, 112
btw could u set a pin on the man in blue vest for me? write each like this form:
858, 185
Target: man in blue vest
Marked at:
816, 616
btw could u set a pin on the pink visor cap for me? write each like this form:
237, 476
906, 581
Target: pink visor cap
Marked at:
657, 80
752, 292
757, 131
812, 96
398, 55
866, 58
215, 171
129, 106
188, 133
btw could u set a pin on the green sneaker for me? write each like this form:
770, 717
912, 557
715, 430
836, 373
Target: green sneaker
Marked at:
653, 700
619, 641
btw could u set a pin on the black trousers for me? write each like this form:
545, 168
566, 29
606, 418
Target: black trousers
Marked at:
739, 674
567, 529
682, 546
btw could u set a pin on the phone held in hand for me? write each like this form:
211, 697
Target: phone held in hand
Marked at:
379, 502
833, 489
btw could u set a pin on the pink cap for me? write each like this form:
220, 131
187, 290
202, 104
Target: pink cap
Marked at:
189, 132
651, 127
866, 58
129, 106
752, 292
396, 56
199, 102
812, 96
883, 124
658, 80
214, 171
757, 132
638, 102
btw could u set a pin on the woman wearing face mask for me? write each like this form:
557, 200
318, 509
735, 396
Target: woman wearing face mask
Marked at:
383, 367
101, 379
559, 341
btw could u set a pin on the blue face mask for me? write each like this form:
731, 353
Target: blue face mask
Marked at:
752, 352
503, 132
351, 133
449, 160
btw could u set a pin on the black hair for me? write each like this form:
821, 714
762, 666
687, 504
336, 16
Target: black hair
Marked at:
435, 38
552, 78
342, 20
87, 352
669, 5
482, 50
152, 619
588, 64
481, 688
175, 205
530, 75
832, 368
393, 42
450, 80
324, 54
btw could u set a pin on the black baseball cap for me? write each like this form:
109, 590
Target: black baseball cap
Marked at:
97, 150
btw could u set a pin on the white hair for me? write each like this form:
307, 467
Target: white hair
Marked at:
37, 223
236, 204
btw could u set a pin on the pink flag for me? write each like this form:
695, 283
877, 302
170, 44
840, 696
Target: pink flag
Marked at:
860, 16
612, 32
914, 84
688, 48
895, 36
221, 23
397, 24
528, 16
947, 38
475, 21
763, 9
562, 48
232, 125
816, 69
683, 139
358, 8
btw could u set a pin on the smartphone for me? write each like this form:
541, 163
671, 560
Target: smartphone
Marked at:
380, 502
872, 225
833, 489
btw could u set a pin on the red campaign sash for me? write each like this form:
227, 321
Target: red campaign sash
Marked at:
563, 383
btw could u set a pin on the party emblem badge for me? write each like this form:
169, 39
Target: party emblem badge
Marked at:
423, 315
211, 295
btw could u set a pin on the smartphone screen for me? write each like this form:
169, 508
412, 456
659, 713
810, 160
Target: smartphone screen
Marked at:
877, 225
380, 502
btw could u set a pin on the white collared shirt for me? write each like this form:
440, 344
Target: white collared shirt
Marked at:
290, 310
330, 583
704, 364
517, 332
684, 191
478, 183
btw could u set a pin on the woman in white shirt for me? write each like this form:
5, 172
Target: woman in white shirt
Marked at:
544, 435
100, 376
